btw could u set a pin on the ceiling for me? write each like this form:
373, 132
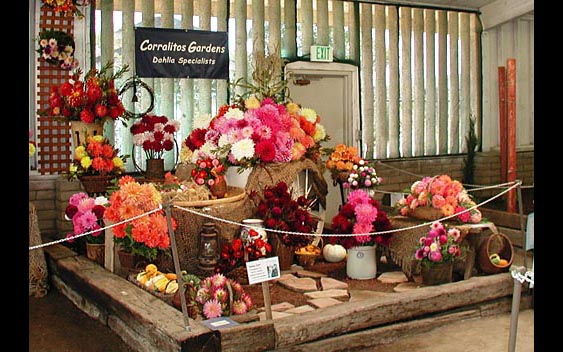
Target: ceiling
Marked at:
472, 5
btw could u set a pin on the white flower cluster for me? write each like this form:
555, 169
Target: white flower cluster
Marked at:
363, 176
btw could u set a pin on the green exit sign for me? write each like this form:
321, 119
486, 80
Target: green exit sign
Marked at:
321, 53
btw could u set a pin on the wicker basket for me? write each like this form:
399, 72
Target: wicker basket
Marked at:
306, 259
239, 274
94, 184
166, 297
426, 213
495, 243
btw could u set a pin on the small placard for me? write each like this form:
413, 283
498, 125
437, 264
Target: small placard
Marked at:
395, 198
263, 270
219, 323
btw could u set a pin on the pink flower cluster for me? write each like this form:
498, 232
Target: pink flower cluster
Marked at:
439, 245
213, 297
86, 214
443, 193
260, 131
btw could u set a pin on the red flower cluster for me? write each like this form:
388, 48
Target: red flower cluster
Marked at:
93, 100
235, 254
349, 220
280, 212
155, 134
205, 171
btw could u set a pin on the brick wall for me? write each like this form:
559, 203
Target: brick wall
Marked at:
50, 193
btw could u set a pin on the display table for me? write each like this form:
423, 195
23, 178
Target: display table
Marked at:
404, 242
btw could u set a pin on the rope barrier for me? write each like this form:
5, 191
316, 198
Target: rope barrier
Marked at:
514, 185
527, 276
90, 232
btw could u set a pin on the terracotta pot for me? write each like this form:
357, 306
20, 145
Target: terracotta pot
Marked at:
129, 261
219, 188
285, 254
96, 252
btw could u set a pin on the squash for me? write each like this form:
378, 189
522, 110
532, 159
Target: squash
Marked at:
334, 253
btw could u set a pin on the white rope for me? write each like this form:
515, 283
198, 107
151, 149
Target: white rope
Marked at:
90, 232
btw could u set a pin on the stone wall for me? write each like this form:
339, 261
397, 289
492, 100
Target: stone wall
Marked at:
50, 193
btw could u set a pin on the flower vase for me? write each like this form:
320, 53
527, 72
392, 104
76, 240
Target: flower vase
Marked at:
155, 169
361, 262
437, 273
96, 252
96, 184
219, 188
236, 178
80, 130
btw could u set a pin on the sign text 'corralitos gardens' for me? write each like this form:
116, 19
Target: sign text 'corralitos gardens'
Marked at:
177, 53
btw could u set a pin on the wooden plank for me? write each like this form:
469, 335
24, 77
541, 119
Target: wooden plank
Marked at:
258, 336
353, 316
503, 218
501, 11
382, 335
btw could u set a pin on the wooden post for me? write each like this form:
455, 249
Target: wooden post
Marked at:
109, 255
502, 121
267, 300
511, 131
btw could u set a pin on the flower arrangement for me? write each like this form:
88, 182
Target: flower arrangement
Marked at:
66, 7
442, 193
32, 148
155, 134
439, 245
214, 301
57, 48
87, 215
207, 170
145, 235
238, 252
281, 212
362, 175
93, 99
341, 161
96, 157
257, 132
360, 215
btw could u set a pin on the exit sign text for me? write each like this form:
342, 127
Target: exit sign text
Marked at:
321, 53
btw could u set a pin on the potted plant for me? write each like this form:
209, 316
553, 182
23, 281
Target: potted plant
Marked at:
86, 214
437, 251
140, 226
155, 134
341, 161
432, 198
279, 211
358, 221
210, 172
219, 296
95, 163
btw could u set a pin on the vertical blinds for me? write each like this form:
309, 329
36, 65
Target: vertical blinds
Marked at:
419, 68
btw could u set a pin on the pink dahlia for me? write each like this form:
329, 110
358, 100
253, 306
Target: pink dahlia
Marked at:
239, 307
212, 309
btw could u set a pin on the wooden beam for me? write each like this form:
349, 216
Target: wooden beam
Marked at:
511, 131
502, 11
502, 120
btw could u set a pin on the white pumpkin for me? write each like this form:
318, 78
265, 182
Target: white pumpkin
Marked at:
334, 253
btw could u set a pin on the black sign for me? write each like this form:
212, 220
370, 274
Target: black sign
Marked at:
181, 53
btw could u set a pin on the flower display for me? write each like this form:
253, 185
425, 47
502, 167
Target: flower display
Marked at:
362, 175
440, 245
442, 193
238, 252
66, 7
360, 215
145, 235
281, 212
57, 48
86, 214
207, 170
93, 99
96, 157
213, 297
341, 161
32, 147
256, 132
155, 134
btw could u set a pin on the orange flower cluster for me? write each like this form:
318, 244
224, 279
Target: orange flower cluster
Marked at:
341, 161
144, 235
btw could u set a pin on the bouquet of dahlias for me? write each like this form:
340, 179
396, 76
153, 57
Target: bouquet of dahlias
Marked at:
155, 134
440, 245
96, 157
341, 161
362, 175
360, 215
214, 301
87, 215
57, 48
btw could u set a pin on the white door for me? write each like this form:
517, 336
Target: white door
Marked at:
332, 92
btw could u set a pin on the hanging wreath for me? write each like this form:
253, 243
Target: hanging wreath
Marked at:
57, 48
67, 7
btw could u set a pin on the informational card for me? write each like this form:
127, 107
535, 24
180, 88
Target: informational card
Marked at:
263, 270
219, 323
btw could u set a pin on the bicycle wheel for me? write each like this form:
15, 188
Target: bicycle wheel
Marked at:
142, 98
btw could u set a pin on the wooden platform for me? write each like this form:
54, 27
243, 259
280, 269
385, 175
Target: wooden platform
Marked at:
147, 323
